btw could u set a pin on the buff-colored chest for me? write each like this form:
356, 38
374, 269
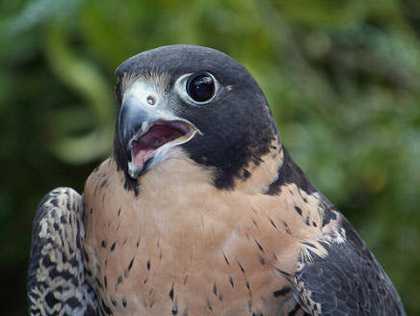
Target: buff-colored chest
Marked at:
182, 247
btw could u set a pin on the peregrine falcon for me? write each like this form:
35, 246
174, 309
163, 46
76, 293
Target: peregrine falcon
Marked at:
200, 210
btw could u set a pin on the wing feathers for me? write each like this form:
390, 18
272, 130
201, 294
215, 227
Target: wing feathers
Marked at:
56, 276
348, 281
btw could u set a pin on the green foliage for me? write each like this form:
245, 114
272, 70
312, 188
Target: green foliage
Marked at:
342, 78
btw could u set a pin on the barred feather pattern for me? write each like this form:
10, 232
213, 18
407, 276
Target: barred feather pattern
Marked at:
57, 282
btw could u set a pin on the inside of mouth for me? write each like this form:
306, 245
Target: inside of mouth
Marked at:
161, 133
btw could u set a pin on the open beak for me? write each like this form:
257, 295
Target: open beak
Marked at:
147, 134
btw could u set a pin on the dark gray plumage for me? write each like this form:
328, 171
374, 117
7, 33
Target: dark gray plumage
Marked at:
349, 281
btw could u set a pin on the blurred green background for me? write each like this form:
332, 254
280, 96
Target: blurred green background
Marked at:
342, 78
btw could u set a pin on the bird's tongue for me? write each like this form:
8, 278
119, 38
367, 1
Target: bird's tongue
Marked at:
141, 156
157, 136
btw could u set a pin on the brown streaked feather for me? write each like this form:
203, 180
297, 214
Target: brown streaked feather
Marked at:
184, 245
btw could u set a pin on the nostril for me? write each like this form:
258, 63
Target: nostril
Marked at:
151, 100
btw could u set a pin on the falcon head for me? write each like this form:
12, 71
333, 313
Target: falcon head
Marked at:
196, 99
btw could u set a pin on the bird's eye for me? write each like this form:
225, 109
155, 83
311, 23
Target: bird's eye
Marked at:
201, 87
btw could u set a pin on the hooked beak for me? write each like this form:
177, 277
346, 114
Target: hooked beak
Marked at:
146, 134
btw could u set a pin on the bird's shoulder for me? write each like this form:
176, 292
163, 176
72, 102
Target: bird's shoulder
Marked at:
335, 272
56, 276
348, 280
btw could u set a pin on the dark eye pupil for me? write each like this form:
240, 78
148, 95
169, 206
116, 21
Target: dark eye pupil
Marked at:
200, 87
